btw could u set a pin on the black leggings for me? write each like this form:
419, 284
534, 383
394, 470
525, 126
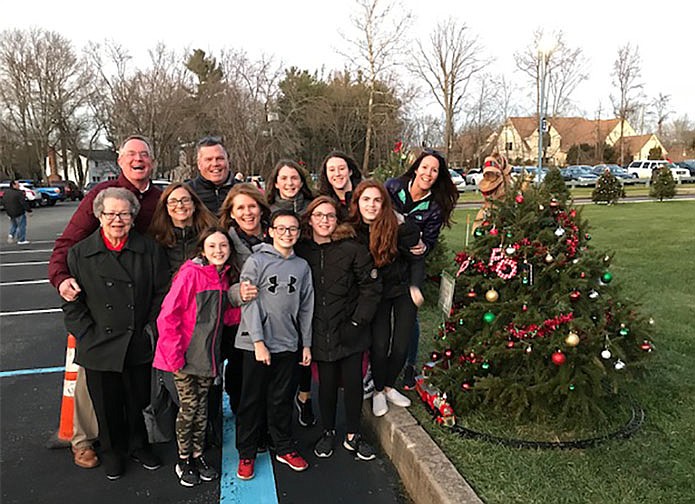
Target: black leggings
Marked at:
348, 372
390, 343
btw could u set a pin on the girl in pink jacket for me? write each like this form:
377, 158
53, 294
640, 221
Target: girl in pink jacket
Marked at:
190, 329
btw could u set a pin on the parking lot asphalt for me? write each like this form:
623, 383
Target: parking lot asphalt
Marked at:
32, 357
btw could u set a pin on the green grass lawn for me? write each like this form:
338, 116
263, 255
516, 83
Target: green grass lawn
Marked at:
654, 245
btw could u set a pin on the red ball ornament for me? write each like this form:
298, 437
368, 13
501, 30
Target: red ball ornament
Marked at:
471, 293
466, 386
494, 231
448, 353
582, 275
519, 198
524, 307
646, 346
558, 358
510, 344
435, 356
575, 295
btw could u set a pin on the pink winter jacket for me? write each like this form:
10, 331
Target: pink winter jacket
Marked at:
191, 320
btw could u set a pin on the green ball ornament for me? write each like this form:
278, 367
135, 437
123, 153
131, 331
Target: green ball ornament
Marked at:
607, 277
624, 331
485, 365
489, 317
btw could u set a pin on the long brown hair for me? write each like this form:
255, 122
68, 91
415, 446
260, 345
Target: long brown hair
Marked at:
162, 229
251, 191
233, 272
383, 232
272, 193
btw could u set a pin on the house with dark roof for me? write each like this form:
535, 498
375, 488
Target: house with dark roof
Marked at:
518, 138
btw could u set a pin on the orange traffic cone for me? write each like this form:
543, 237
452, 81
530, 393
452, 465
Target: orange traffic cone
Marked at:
67, 408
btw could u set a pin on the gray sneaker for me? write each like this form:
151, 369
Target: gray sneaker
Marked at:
359, 448
187, 473
205, 471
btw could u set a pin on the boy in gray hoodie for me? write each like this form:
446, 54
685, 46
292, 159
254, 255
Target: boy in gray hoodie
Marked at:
273, 327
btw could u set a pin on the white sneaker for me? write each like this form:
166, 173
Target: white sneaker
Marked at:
10, 239
23, 242
397, 398
379, 406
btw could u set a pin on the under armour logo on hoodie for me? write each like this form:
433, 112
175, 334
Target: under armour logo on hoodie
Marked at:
274, 284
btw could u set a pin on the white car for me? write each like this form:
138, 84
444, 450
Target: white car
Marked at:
474, 176
458, 180
29, 193
644, 168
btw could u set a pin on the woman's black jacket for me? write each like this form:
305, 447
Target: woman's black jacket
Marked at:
347, 290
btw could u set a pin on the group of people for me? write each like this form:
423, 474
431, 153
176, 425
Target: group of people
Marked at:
174, 284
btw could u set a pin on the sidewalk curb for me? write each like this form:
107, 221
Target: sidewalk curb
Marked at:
428, 476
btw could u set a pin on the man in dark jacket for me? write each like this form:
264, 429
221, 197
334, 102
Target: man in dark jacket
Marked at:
16, 206
215, 179
136, 162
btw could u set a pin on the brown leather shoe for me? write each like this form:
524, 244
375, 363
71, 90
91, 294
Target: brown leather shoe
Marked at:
85, 457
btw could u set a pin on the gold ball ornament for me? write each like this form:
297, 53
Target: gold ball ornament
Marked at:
572, 339
492, 295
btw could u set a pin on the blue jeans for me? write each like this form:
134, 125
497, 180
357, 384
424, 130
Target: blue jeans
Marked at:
18, 227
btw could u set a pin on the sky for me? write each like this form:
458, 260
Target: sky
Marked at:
307, 34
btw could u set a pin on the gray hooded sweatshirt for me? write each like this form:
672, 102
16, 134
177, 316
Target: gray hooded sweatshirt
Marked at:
281, 314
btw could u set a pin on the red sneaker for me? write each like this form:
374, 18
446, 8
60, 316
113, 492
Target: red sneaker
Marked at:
294, 460
245, 470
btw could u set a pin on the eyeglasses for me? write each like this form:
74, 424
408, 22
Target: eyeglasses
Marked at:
286, 229
328, 216
123, 216
173, 202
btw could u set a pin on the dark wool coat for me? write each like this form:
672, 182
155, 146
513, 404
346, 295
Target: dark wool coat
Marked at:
347, 290
210, 194
121, 293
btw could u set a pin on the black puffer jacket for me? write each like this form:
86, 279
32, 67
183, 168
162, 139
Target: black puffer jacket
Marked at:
396, 276
347, 290
210, 194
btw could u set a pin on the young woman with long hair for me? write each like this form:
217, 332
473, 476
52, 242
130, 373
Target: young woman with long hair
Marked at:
426, 196
338, 178
377, 227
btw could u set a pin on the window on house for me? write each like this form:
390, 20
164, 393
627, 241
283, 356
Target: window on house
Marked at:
509, 146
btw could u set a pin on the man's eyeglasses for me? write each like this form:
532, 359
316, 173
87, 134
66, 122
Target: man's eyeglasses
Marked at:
173, 202
286, 229
123, 216
328, 216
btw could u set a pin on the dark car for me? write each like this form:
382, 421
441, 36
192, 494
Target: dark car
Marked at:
616, 170
688, 164
580, 174
70, 190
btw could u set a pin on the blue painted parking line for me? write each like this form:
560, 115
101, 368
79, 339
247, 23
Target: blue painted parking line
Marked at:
260, 489
19, 372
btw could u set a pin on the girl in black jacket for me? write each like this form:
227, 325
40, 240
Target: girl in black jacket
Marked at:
389, 242
347, 289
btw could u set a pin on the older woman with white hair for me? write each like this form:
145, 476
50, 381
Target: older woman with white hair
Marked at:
123, 277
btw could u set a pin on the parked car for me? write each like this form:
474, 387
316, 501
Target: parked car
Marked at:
160, 183
69, 189
29, 193
688, 164
644, 168
579, 174
616, 170
458, 180
531, 171
474, 176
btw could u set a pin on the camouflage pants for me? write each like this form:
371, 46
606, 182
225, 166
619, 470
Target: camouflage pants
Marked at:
191, 421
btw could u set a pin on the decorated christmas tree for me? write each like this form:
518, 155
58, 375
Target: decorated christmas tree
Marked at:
538, 329
662, 184
608, 189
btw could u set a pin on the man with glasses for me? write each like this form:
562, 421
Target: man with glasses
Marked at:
215, 179
136, 162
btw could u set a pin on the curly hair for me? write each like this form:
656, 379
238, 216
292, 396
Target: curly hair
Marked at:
383, 232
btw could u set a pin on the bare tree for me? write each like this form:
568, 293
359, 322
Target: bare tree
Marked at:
565, 69
661, 107
446, 64
380, 25
626, 78
483, 115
